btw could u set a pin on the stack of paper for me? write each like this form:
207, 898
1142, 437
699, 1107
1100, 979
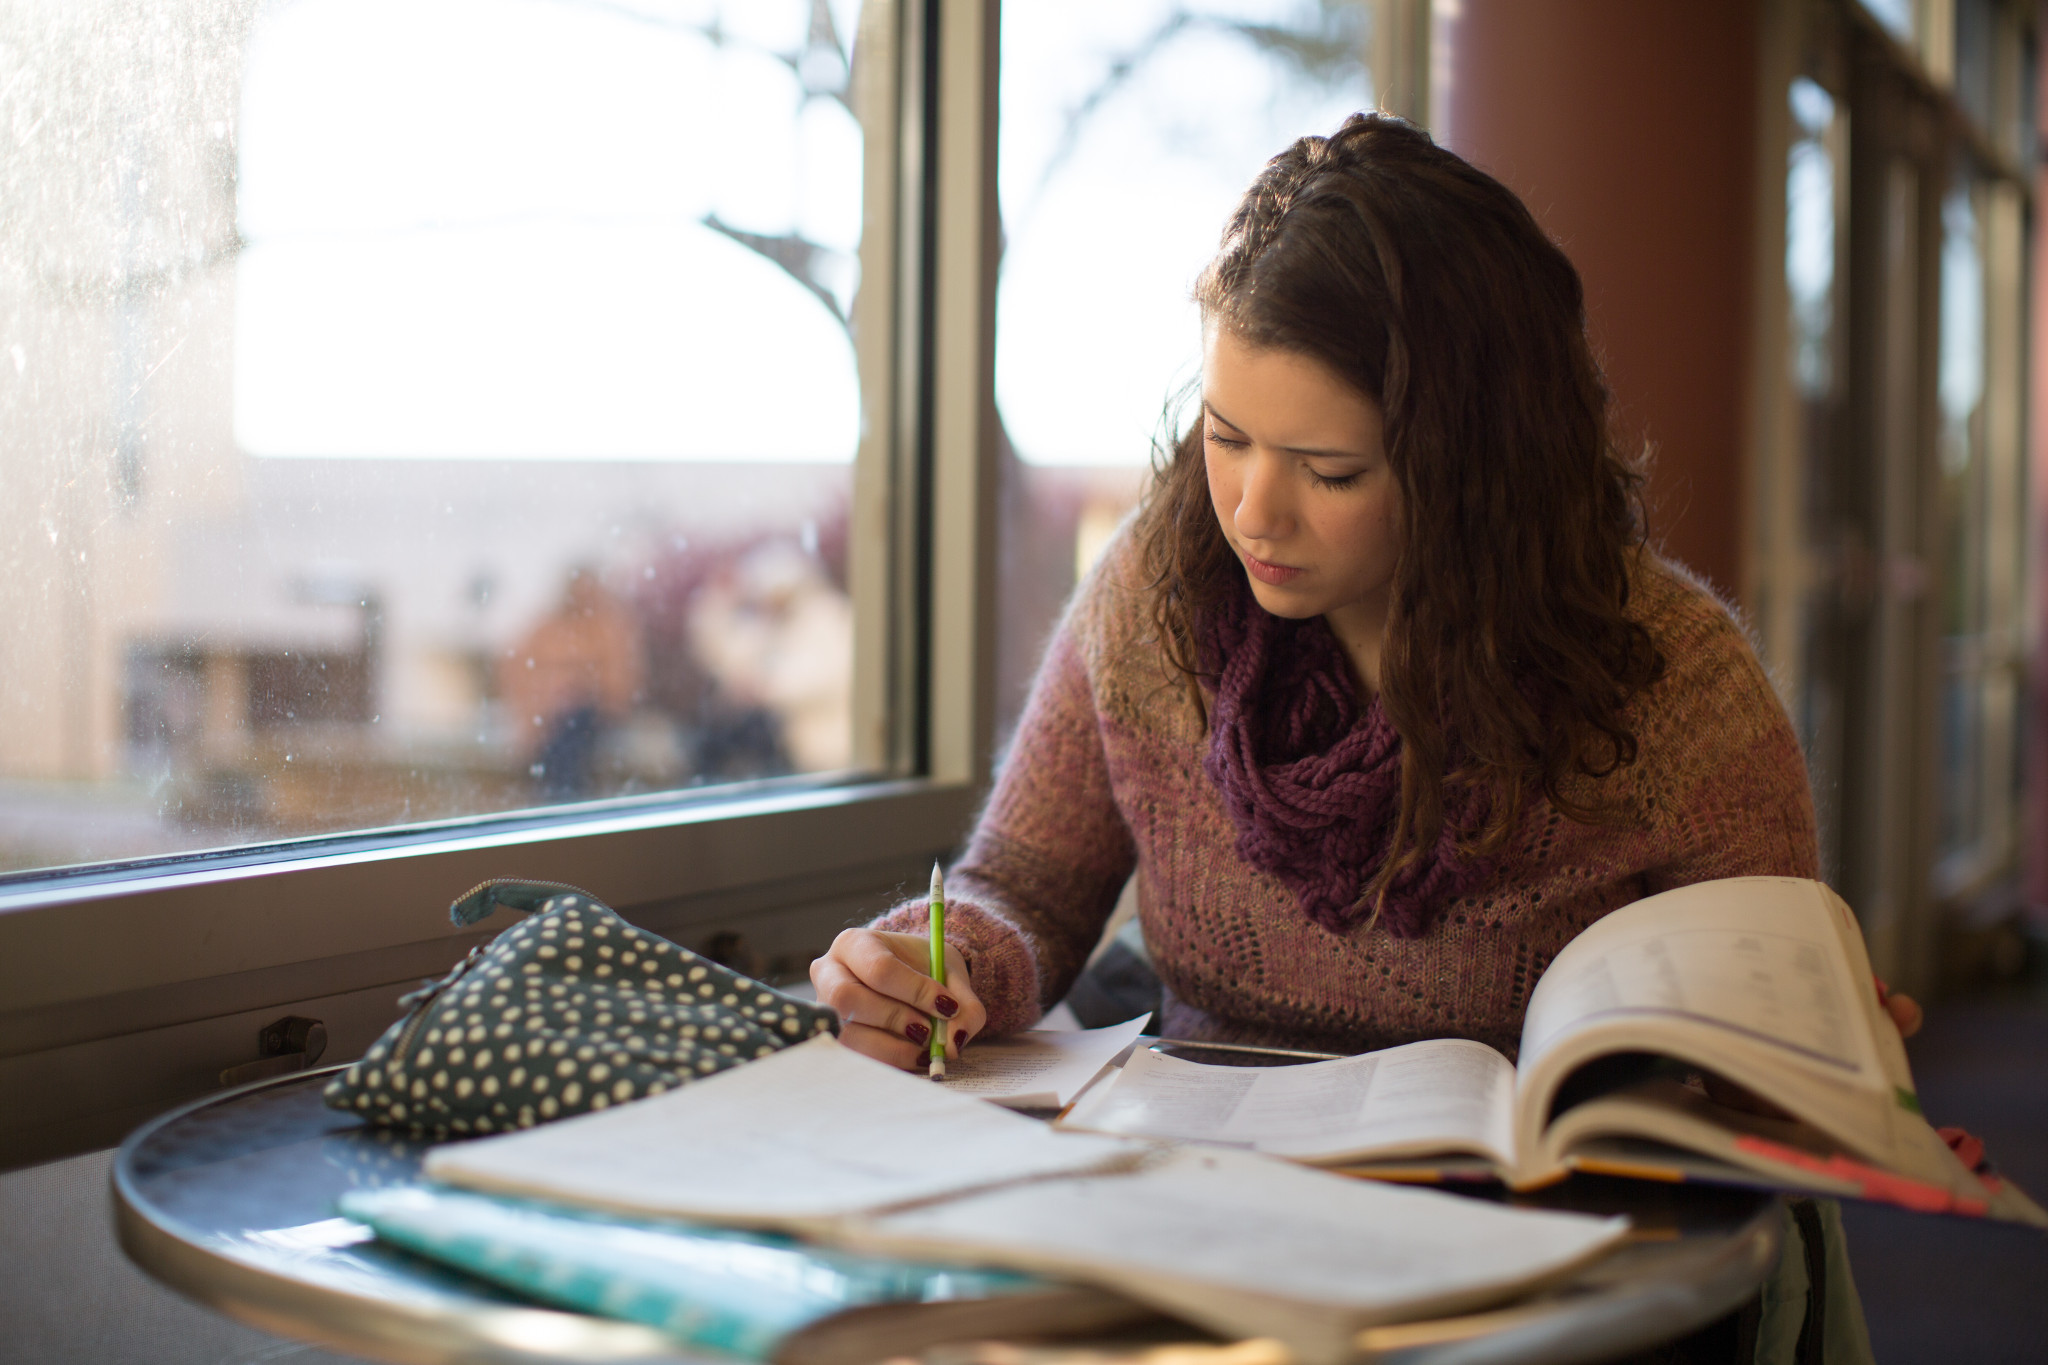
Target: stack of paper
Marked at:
755, 1295
795, 1140
1249, 1246
820, 1140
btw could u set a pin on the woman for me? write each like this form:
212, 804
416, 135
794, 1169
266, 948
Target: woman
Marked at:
1380, 694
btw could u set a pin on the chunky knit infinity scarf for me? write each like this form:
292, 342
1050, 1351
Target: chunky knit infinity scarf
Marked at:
1313, 786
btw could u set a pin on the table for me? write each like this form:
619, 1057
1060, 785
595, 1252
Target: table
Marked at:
230, 1200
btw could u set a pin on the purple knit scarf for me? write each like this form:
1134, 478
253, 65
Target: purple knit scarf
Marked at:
1313, 786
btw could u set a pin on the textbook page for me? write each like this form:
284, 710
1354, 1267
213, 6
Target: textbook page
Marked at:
1249, 1246
1759, 979
1041, 1069
1438, 1095
1758, 957
811, 1133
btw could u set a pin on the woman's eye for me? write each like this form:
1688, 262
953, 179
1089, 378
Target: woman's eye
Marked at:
1340, 481
1217, 438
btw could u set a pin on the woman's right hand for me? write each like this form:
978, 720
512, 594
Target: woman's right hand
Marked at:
877, 982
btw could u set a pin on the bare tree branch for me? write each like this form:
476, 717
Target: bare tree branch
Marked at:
798, 256
1327, 53
823, 68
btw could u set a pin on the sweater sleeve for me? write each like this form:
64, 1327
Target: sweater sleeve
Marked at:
1732, 792
1048, 856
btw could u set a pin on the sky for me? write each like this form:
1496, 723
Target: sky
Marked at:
1095, 331
474, 227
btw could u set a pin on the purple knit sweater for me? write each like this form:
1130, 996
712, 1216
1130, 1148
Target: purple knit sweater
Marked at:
1106, 775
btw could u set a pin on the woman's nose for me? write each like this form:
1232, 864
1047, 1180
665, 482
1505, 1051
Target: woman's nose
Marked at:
1263, 510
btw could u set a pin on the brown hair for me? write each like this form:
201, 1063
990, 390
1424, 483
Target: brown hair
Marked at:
1509, 655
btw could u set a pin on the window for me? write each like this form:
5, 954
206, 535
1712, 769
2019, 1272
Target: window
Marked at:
540, 437
1806, 548
1129, 131
1898, 16
435, 410
1888, 499
1981, 509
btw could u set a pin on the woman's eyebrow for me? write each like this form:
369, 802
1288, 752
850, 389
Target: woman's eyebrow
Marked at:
1210, 408
1319, 452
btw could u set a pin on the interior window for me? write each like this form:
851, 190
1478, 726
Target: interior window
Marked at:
1982, 531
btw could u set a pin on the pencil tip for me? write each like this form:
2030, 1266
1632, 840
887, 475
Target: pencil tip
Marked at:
938, 1072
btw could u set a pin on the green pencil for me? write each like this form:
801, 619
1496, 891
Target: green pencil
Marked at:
938, 917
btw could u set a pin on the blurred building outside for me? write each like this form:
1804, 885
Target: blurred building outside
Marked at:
368, 676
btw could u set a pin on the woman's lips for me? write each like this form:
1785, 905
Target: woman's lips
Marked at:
1275, 574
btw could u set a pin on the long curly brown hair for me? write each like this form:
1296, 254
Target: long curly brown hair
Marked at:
1510, 653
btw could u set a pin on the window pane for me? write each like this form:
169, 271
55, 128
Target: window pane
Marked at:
1961, 384
418, 409
1801, 612
1128, 133
1896, 15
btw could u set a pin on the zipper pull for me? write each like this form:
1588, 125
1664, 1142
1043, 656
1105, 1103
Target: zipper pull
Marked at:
510, 893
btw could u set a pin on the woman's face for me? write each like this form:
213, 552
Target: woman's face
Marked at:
1299, 479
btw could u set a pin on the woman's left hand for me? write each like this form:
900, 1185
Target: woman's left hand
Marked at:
1905, 1016
1904, 1010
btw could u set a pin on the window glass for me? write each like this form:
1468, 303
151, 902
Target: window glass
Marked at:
1976, 59
1799, 615
1896, 15
1981, 511
1810, 238
418, 409
1128, 133
1961, 391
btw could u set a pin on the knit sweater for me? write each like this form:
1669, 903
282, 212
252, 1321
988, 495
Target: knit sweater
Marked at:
1105, 776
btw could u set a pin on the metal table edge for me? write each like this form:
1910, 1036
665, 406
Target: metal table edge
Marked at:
361, 1324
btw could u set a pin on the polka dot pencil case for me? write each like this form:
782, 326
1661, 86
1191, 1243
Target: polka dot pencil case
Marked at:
572, 1011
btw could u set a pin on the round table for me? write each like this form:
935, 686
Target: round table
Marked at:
230, 1200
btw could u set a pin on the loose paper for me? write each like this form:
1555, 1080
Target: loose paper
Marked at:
1042, 1069
811, 1133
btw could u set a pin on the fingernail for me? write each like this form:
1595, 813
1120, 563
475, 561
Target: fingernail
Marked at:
959, 1039
917, 1033
946, 1005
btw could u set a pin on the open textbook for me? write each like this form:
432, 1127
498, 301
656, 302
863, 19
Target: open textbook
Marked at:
846, 1151
1761, 981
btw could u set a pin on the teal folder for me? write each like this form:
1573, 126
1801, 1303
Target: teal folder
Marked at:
755, 1296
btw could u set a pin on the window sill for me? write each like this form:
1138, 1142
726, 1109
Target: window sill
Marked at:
114, 985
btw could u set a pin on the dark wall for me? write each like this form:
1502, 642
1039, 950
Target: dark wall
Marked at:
1628, 128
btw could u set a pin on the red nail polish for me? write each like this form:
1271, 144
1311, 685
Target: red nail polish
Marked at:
946, 1005
959, 1039
917, 1033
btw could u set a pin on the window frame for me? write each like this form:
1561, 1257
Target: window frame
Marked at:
125, 989
1844, 533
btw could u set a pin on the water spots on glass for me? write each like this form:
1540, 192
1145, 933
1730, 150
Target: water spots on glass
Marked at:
345, 458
